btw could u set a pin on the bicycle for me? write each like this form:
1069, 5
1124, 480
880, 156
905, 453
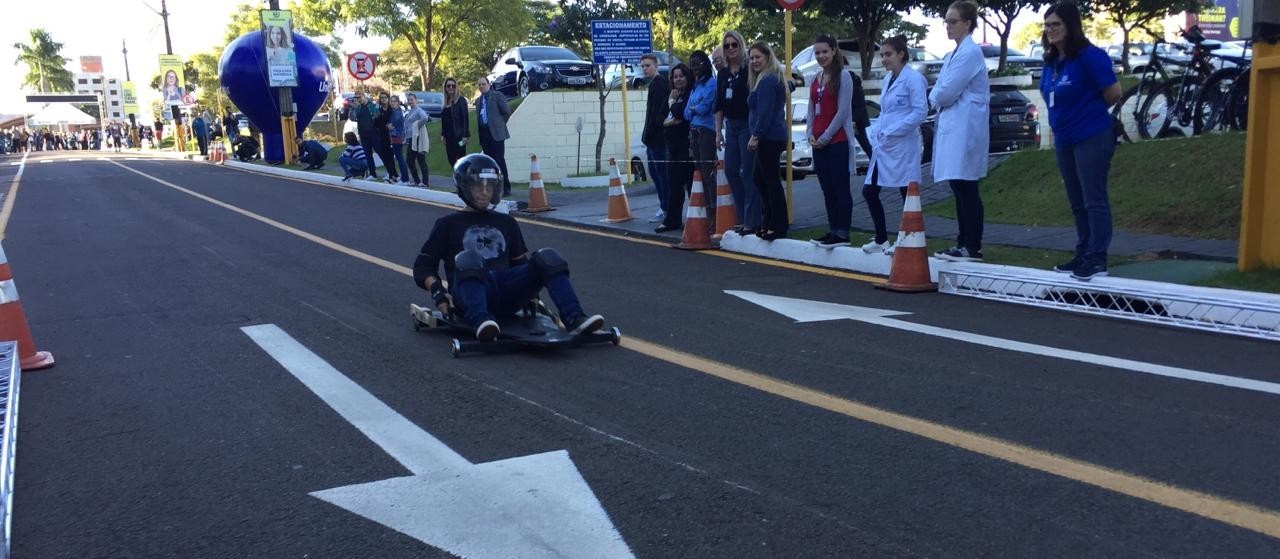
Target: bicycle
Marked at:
1174, 99
1211, 103
1127, 111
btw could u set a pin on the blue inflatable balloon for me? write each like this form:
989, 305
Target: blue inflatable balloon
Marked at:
243, 74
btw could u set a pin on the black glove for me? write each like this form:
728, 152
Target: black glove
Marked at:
439, 295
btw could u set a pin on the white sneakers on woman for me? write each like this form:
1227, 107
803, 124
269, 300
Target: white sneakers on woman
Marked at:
873, 247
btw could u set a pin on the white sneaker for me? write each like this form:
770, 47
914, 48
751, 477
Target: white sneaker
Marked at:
658, 217
888, 251
873, 247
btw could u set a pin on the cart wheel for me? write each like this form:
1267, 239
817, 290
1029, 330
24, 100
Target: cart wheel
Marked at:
456, 348
617, 335
417, 324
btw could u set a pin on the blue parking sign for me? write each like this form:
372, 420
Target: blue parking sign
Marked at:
619, 41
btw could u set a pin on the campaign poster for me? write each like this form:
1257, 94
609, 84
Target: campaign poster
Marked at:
129, 98
172, 84
277, 36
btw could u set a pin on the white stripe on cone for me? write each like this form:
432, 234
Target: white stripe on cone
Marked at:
724, 200
698, 212
616, 191
912, 204
535, 183
8, 292
914, 239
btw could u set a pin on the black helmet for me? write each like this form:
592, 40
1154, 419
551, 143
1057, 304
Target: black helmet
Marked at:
475, 170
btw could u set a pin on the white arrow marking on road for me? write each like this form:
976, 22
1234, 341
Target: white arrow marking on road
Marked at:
802, 310
528, 507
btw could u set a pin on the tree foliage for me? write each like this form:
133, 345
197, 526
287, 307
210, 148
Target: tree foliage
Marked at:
998, 14
46, 67
1140, 15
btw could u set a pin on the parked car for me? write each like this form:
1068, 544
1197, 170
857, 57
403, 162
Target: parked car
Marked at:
431, 101
1015, 122
1013, 59
928, 64
635, 79
539, 68
807, 67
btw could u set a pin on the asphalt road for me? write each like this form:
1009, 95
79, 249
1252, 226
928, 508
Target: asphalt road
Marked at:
165, 431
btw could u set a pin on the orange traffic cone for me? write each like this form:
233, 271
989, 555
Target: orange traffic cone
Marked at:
13, 322
537, 193
619, 209
910, 270
726, 216
697, 228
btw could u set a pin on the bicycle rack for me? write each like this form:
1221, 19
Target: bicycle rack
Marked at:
1195, 308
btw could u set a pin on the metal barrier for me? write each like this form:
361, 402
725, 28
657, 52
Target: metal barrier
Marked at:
1195, 308
9, 381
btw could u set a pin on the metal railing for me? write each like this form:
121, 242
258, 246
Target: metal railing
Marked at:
1195, 308
9, 381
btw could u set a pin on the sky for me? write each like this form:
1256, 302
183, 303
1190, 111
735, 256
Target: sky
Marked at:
97, 27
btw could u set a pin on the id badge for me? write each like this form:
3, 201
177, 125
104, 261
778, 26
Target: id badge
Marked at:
817, 110
728, 92
1051, 96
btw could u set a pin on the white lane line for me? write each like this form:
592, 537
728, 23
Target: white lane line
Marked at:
15, 163
75, 159
46, 160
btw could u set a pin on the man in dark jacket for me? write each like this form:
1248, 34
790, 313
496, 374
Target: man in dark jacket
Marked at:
364, 115
312, 153
655, 142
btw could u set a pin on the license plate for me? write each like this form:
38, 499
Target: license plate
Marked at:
577, 81
1009, 118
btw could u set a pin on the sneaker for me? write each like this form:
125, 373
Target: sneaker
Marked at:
583, 324
874, 247
487, 331
888, 251
658, 217
829, 241
346, 178
1089, 270
959, 254
391, 180
1070, 266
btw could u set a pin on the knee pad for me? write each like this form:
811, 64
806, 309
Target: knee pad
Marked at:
468, 264
546, 264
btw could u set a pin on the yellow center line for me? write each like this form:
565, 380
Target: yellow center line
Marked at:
1228, 511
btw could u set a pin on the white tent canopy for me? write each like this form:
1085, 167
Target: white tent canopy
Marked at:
60, 113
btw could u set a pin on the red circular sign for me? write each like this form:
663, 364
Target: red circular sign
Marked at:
188, 99
790, 4
361, 65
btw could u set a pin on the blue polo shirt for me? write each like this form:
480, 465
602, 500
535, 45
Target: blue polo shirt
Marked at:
1075, 85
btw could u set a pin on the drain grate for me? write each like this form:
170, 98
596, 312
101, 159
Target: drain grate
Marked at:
1185, 307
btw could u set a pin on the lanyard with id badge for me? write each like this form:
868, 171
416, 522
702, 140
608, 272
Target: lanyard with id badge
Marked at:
1058, 71
822, 90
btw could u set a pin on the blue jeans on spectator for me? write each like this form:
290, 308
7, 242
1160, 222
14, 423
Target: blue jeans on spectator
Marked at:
739, 169
398, 151
352, 166
1084, 167
657, 157
504, 292
831, 163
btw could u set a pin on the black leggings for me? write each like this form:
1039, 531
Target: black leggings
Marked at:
418, 160
871, 193
969, 214
773, 200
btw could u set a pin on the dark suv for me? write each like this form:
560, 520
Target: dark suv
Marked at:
522, 70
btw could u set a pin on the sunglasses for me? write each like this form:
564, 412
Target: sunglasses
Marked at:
731, 45
450, 85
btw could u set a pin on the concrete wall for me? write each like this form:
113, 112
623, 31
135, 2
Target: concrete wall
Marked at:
544, 125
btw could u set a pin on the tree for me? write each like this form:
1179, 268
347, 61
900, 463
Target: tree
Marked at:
46, 67
573, 29
868, 19
998, 14
671, 12
1135, 15
1028, 35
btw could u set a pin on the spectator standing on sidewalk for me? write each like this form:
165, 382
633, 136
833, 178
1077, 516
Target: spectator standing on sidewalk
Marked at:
895, 136
653, 138
962, 96
767, 126
365, 115
455, 123
200, 129
733, 133
382, 129
492, 111
416, 141
680, 167
1079, 86
830, 128
700, 112
398, 135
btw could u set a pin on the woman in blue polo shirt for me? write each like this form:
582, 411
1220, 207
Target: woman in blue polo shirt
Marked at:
1079, 87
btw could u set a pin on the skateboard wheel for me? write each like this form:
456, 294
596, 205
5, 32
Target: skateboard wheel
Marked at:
616, 335
456, 348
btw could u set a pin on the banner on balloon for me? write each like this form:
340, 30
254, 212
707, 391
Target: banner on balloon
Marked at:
277, 37
172, 84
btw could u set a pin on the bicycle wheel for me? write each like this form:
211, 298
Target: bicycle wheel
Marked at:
1237, 114
1211, 101
1126, 113
1158, 110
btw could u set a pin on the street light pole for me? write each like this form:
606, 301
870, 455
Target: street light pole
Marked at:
179, 136
288, 120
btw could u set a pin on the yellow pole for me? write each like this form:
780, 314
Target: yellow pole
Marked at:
1260, 209
626, 123
790, 186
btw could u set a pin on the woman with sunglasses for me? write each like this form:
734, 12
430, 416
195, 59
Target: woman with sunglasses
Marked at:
733, 133
962, 97
455, 124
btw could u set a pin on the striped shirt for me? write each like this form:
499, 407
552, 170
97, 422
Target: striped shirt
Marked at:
355, 152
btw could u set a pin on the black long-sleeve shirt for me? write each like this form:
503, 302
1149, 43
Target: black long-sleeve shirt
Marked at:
733, 106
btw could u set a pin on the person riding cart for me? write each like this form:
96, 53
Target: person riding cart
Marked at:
489, 269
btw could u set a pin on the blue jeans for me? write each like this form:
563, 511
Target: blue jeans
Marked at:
739, 168
831, 163
398, 151
657, 157
1084, 167
503, 292
352, 166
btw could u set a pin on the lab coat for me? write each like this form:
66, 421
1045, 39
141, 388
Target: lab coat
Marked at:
963, 99
895, 135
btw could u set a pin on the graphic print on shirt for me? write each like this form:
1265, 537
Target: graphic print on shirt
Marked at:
486, 240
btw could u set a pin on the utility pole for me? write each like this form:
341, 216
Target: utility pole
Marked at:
124, 50
179, 138
288, 120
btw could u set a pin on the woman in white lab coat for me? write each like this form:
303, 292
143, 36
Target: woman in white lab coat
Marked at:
895, 135
962, 97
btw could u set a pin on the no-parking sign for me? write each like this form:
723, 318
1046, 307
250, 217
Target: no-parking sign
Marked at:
361, 65
790, 5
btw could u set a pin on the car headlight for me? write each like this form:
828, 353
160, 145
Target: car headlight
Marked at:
535, 69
